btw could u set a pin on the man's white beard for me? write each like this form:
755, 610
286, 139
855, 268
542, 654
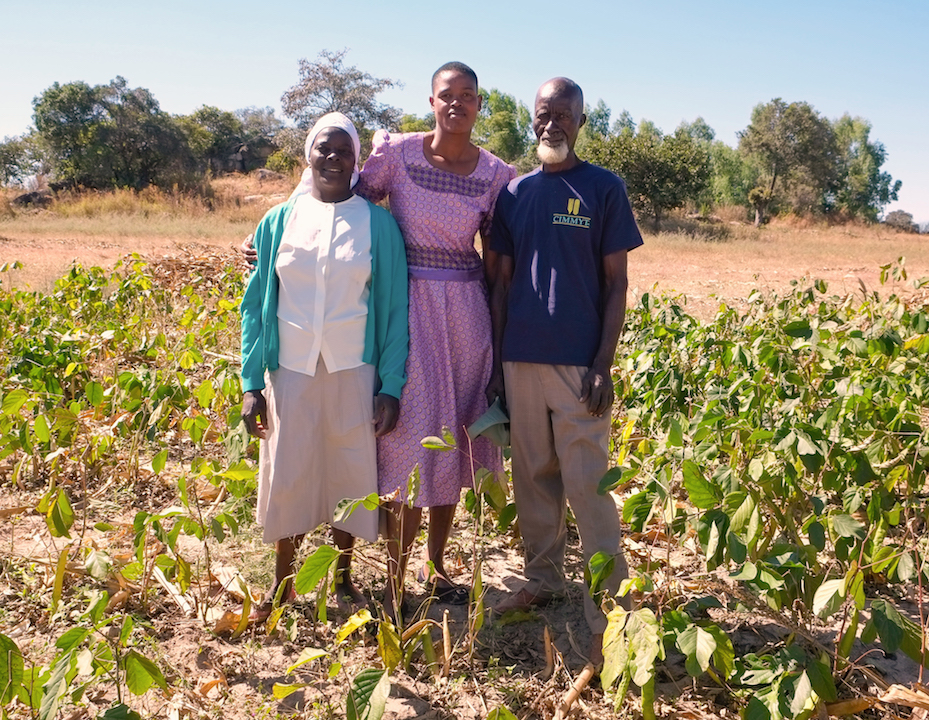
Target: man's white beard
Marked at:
552, 154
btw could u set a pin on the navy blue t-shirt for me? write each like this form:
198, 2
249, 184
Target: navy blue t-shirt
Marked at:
557, 227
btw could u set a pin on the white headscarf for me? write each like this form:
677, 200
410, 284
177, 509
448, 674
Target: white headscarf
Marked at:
336, 120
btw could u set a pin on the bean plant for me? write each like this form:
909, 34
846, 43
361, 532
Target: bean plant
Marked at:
789, 439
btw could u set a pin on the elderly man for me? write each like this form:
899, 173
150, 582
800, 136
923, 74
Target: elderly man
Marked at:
558, 304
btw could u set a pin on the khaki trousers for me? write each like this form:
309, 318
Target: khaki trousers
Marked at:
560, 452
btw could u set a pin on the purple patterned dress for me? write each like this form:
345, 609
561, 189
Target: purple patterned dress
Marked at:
439, 214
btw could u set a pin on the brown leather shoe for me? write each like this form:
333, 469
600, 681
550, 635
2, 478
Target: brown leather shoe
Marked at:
521, 600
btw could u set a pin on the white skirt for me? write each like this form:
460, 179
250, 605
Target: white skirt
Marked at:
319, 449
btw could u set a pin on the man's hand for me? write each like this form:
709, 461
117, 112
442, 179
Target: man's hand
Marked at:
248, 252
386, 414
597, 391
254, 409
496, 388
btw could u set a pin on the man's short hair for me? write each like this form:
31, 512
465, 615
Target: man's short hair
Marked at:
457, 67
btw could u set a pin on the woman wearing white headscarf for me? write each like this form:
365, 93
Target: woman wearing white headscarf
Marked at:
324, 322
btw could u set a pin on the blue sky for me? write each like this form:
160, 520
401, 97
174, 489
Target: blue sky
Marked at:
661, 61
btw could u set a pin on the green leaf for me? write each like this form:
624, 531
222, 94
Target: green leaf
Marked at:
724, 655
703, 494
347, 506
803, 693
119, 712
314, 569
308, 655
159, 461
13, 401
11, 670
897, 631
500, 713
413, 485
698, 646
40, 428
94, 392
821, 680
55, 687
433, 442
829, 597
598, 571
817, 535
888, 623
847, 526
848, 639
142, 673
368, 695
60, 516
612, 479
71, 639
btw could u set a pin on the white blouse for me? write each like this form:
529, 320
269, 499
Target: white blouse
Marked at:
324, 269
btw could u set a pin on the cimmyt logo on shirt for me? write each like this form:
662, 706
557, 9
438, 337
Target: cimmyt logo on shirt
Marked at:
571, 218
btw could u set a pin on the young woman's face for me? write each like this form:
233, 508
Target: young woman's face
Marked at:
455, 102
332, 159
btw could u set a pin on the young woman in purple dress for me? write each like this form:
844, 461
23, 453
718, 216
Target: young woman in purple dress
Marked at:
442, 190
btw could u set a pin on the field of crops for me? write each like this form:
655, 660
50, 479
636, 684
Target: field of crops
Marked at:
770, 462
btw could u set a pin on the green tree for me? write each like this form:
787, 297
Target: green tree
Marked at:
732, 175
863, 190
504, 126
414, 123
661, 172
597, 125
20, 159
796, 152
624, 124
598, 119
110, 136
698, 130
212, 134
327, 85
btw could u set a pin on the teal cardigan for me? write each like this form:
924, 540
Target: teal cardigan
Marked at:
387, 336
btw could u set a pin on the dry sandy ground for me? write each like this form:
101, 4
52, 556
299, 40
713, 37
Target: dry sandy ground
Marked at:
726, 265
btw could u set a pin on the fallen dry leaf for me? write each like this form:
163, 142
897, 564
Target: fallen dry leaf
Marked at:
900, 695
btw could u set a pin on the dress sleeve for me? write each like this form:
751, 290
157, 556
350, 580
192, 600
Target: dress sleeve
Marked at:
502, 176
376, 180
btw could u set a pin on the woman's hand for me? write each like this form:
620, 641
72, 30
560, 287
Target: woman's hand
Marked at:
254, 409
248, 252
386, 414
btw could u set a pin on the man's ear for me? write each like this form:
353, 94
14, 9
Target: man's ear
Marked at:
583, 121
480, 102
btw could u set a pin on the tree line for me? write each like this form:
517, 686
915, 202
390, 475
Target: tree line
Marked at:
789, 159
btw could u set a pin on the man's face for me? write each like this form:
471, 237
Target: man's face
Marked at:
558, 118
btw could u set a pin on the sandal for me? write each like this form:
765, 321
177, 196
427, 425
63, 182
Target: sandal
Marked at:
449, 594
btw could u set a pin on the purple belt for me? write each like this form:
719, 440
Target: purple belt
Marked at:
447, 275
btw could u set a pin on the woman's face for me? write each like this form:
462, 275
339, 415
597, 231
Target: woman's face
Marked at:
455, 102
332, 159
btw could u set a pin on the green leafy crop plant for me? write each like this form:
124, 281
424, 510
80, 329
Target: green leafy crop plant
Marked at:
790, 438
